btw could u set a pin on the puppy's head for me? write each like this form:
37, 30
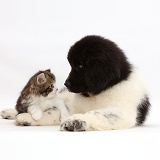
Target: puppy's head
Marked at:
96, 64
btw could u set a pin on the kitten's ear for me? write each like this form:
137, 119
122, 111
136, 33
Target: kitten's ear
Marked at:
41, 78
48, 70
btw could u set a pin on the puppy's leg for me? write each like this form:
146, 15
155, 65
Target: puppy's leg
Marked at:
99, 120
62, 108
49, 117
8, 113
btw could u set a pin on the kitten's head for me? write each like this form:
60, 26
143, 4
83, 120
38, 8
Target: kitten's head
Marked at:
46, 83
43, 83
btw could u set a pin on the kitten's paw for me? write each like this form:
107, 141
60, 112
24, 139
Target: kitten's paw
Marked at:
37, 115
73, 125
24, 119
8, 113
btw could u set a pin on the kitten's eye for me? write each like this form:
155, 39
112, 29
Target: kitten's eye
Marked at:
51, 86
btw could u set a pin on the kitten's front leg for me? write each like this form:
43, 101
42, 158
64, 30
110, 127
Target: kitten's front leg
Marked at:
36, 112
49, 117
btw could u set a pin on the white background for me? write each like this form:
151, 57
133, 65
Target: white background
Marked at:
37, 34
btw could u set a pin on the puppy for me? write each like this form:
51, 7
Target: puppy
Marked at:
109, 92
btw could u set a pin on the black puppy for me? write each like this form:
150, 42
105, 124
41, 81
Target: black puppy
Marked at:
109, 91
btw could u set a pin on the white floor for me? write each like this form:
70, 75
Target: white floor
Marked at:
141, 143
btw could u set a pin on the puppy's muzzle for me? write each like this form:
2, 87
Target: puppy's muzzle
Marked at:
67, 84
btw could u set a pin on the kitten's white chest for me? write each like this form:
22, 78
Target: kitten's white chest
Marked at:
40, 104
43, 102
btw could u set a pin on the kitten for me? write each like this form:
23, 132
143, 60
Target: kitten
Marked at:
39, 95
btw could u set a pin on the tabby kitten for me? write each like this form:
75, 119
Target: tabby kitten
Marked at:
39, 95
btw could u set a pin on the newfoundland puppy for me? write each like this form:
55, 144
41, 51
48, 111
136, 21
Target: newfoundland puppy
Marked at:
108, 92
105, 92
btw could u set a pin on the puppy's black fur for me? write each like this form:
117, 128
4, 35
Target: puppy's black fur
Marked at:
97, 64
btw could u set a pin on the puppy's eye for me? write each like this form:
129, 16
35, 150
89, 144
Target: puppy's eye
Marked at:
80, 67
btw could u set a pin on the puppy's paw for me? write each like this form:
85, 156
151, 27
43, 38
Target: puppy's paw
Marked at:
73, 125
24, 119
8, 113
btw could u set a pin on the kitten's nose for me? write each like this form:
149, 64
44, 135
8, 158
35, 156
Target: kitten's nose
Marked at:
67, 84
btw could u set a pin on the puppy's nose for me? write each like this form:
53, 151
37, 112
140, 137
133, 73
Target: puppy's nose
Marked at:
67, 84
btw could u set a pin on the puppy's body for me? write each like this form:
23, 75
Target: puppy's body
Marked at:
115, 108
126, 95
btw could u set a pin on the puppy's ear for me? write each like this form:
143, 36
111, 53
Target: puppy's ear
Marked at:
100, 75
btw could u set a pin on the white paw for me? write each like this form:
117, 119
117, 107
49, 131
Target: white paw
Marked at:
8, 113
73, 125
37, 115
24, 119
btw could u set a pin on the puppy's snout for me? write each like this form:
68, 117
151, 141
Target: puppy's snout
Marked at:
67, 83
